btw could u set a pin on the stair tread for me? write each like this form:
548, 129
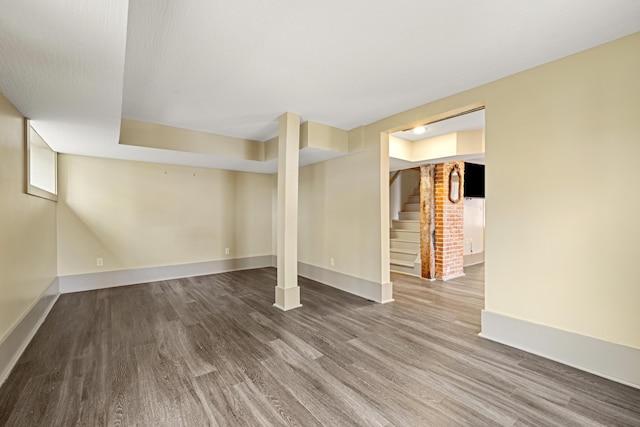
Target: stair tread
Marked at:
403, 263
404, 251
407, 220
395, 239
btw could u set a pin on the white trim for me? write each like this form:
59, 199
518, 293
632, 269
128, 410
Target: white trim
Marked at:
473, 259
377, 292
287, 298
281, 308
19, 337
608, 360
110, 279
451, 276
415, 271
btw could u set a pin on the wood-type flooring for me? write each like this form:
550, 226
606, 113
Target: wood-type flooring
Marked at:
212, 350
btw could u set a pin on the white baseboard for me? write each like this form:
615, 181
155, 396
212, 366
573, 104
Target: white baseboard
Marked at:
451, 276
381, 293
377, 292
472, 259
19, 337
612, 361
110, 279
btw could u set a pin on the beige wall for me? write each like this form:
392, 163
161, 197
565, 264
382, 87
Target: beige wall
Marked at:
561, 178
438, 148
27, 227
340, 211
136, 215
144, 134
434, 148
395, 196
562, 218
470, 142
562, 229
317, 135
410, 182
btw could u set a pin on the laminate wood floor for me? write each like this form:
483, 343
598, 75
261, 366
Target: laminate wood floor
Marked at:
212, 350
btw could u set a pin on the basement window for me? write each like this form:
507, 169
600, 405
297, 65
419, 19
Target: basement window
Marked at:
42, 166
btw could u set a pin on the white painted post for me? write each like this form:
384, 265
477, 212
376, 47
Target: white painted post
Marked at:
287, 291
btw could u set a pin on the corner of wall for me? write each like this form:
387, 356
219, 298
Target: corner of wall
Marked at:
605, 359
18, 338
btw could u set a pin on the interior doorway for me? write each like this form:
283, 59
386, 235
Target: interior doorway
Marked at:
458, 140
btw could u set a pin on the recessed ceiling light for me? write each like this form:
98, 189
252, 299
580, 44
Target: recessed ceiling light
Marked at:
419, 130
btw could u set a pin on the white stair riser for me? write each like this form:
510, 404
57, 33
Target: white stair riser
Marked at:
404, 257
413, 236
415, 271
402, 225
408, 235
413, 216
395, 244
412, 207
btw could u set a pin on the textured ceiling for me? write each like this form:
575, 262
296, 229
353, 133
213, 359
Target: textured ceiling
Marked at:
232, 67
62, 65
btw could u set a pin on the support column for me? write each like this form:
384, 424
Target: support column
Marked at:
427, 217
288, 291
449, 224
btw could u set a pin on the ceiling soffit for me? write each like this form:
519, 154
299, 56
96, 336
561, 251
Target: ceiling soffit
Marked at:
77, 67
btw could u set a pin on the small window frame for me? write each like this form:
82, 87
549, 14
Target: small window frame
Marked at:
32, 189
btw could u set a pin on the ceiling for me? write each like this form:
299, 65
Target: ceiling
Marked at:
469, 121
76, 67
465, 122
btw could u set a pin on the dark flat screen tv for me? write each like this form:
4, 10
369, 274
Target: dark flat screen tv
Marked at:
473, 180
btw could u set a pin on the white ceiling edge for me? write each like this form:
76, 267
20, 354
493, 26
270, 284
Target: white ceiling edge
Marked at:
232, 68
469, 121
308, 156
477, 160
396, 164
179, 158
62, 66
311, 155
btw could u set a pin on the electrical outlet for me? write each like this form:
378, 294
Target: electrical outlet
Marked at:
226, 251
333, 262
99, 262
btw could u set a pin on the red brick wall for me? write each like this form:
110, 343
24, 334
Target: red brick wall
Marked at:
449, 224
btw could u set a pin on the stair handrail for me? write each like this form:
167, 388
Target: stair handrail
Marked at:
393, 178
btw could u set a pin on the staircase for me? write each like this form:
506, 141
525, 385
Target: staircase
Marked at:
405, 238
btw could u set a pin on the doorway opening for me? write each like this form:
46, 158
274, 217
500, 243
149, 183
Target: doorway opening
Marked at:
456, 239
